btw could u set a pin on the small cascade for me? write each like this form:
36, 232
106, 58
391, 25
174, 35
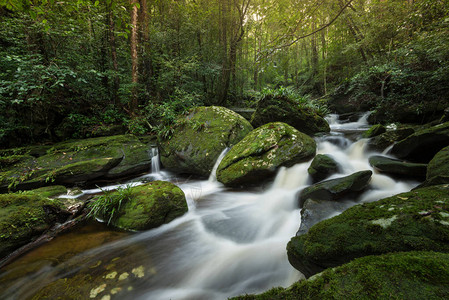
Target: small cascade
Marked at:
360, 125
155, 162
213, 174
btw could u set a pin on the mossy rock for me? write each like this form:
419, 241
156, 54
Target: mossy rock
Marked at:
413, 221
322, 166
149, 206
77, 161
23, 217
262, 151
397, 167
50, 191
403, 275
334, 189
282, 109
384, 140
438, 168
423, 144
199, 139
375, 130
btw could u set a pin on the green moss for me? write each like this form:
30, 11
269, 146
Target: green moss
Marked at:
50, 191
322, 166
195, 151
438, 168
262, 151
403, 275
416, 224
23, 217
375, 130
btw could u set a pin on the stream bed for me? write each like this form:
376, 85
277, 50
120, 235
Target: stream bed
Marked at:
231, 242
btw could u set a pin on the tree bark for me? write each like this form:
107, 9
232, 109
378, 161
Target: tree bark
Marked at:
134, 55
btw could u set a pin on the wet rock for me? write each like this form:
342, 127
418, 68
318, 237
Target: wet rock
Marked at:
200, 138
407, 275
262, 151
75, 162
23, 217
334, 189
375, 130
314, 211
423, 144
397, 167
282, 109
384, 140
143, 207
322, 166
417, 220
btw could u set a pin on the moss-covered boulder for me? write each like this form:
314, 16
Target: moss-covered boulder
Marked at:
375, 130
199, 139
384, 140
403, 275
413, 221
438, 168
143, 207
23, 217
262, 151
283, 109
397, 167
50, 191
322, 166
423, 144
74, 162
334, 189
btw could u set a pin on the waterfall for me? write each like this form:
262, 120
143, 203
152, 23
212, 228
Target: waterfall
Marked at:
213, 174
155, 162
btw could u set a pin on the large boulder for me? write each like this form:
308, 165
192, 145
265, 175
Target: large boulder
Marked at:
423, 144
384, 140
24, 217
262, 151
199, 139
334, 189
438, 168
388, 165
75, 162
417, 220
282, 109
142, 207
322, 166
403, 275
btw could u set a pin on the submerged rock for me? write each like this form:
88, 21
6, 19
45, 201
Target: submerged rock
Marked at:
375, 130
143, 207
384, 140
200, 138
74, 162
334, 189
405, 275
423, 144
417, 220
397, 167
282, 109
262, 151
322, 166
24, 217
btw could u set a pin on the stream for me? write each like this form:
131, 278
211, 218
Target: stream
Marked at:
231, 242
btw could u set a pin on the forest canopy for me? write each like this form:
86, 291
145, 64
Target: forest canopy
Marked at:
80, 68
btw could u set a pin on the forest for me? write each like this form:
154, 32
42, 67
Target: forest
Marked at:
218, 149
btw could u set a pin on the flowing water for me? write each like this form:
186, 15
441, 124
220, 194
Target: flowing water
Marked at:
229, 243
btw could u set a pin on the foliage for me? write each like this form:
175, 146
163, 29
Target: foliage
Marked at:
107, 205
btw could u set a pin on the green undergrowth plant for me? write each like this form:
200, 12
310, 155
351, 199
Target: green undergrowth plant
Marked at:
107, 205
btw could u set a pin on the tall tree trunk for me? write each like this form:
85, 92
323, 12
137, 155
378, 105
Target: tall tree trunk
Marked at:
314, 50
134, 55
113, 48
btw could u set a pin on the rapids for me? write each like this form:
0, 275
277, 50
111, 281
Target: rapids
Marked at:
230, 242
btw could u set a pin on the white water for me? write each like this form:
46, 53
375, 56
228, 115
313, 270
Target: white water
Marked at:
230, 242
155, 162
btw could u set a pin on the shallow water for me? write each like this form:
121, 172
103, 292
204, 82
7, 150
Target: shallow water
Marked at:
229, 243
